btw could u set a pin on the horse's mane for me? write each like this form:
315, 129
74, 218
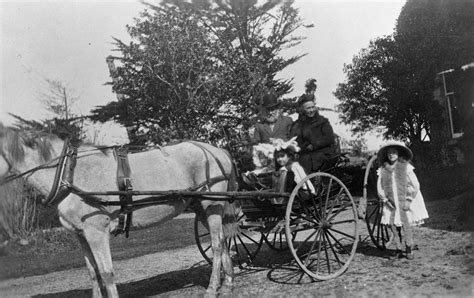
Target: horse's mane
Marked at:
14, 142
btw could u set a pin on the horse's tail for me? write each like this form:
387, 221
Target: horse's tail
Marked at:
232, 211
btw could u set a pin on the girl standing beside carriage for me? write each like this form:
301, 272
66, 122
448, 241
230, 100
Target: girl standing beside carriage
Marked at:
399, 189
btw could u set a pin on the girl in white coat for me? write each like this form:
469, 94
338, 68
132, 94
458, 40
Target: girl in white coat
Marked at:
399, 189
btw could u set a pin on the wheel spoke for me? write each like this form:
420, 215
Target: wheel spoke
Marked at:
208, 248
338, 242
376, 220
373, 211
303, 229
300, 278
336, 197
240, 217
371, 226
336, 200
318, 233
274, 239
342, 221
306, 218
342, 233
306, 240
321, 201
329, 188
343, 208
248, 237
327, 256
237, 252
377, 226
204, 235
333, 203
333, 251
245, 247
319, 253
315, 206
308, 210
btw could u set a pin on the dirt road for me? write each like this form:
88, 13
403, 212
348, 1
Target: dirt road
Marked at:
438, 270
443, 267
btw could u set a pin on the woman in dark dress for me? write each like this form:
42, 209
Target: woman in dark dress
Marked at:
315, 135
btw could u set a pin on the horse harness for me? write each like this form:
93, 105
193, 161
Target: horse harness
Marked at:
63, 181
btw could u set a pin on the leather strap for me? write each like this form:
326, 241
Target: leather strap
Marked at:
64, 177
124, 183
226, 176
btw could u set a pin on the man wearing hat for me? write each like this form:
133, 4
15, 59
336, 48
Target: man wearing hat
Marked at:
273, 124
314, 135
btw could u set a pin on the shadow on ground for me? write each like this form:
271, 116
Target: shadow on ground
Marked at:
160, 284
460, 208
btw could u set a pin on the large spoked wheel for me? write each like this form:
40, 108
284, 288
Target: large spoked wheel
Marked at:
243, 247
275, 238
378, 233
326, 223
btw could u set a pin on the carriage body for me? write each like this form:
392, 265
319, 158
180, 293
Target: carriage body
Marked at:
320, 229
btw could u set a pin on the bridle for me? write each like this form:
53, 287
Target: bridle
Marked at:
49, 165
9, 164
15, 176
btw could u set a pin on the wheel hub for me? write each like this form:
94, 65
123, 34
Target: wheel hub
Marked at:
324, 224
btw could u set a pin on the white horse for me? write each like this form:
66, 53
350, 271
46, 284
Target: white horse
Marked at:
177, 167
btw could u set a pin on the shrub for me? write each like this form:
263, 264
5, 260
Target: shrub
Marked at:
21, 214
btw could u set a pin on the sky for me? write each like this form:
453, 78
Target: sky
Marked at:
69, 41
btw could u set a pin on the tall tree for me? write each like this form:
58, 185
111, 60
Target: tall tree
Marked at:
58, 98
390, 84
193, 69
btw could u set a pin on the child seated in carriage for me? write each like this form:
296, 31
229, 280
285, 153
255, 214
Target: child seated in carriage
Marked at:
277, 161
288, 172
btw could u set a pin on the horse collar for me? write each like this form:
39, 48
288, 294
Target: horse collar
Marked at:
63, 179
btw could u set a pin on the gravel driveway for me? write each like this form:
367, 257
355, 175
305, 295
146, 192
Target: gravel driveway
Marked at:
443, 267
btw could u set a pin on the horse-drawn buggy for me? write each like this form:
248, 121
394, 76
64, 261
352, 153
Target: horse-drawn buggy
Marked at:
317, 224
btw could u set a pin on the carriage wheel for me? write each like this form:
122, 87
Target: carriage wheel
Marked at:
378, 233
326, 223
243, 247
276, 237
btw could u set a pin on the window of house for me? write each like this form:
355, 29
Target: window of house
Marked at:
452, 104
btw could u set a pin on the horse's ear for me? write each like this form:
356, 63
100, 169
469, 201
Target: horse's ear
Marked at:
14, 144
44, 146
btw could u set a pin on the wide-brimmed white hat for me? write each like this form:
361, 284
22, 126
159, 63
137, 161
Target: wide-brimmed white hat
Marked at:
403, 151
290, 145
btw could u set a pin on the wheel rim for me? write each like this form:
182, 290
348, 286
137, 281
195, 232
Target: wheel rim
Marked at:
326, 224
203, 240
243, 247
379, 234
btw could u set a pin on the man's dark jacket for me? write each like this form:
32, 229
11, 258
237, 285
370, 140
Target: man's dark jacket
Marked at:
318, 132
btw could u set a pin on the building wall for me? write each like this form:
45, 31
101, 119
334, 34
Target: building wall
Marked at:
455, 95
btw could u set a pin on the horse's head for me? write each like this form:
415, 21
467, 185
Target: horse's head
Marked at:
14, 145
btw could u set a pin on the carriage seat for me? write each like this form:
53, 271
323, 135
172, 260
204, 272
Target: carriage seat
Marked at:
331, 162
252, 181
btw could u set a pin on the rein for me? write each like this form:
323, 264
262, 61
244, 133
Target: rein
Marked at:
63, 181
12, 177
48, 164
